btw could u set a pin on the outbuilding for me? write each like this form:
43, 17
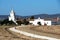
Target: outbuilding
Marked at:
40, 21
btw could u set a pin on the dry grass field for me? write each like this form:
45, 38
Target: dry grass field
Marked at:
53, 31
47, 29
6, 34
50, 31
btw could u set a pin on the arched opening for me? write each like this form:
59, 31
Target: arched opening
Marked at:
39, 23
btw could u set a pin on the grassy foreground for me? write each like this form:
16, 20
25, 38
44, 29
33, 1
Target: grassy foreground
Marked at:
6, 34
50, 31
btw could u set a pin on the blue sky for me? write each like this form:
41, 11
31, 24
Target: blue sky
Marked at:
29, 7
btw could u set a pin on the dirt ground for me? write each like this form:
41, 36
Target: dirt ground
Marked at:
47, 29
6, 34
50, 31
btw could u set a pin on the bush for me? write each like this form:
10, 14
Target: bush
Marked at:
4, 22
7, 22
32, 17
25, 22
0, 22
19, 22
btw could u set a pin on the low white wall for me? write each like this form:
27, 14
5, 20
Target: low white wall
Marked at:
35, 22
48, 23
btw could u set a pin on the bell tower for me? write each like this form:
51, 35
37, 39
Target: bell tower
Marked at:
12, 17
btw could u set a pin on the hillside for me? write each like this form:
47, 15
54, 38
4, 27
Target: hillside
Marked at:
36, 16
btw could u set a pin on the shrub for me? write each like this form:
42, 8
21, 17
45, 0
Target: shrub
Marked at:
32, 17
7, 22
19, 22
25, 22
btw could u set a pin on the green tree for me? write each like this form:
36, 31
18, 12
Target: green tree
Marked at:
32, 17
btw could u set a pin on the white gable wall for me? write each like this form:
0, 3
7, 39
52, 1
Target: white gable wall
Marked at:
41, 21
35, 22
47, 22
9, 18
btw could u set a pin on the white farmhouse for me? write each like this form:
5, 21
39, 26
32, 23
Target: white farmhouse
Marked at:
41, 21
12, 17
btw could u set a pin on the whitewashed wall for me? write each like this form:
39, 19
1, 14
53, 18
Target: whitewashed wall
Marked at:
35, 22
48, 23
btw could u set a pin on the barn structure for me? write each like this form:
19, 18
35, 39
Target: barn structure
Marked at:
40, 21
